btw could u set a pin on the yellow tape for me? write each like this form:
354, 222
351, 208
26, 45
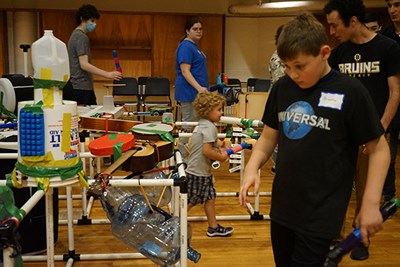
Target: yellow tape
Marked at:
43, 183
48, 97
48, 161
47, 93
66, 133
46, 73
82, 179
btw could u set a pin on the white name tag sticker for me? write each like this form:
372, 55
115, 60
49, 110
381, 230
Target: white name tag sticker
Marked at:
329, 100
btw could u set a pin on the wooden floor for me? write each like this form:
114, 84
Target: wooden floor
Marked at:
250, 244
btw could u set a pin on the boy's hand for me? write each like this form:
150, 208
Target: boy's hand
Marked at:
225, 144
370, 221
249, 180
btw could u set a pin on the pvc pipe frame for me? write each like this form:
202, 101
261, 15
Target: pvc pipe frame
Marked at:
196, 218
224, 119
7, 252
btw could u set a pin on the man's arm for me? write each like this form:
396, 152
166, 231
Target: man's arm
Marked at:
393, 101
86, 66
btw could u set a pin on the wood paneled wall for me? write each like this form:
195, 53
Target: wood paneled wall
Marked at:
145, 43
170, 29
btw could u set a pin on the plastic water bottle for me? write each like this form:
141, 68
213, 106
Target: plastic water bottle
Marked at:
50, 63
155, 234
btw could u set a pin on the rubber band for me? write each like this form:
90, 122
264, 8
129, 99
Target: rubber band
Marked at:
104, 184
163, 191
10, 219
146, 198
109, 176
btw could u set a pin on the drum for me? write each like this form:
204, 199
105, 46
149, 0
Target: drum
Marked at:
152, 131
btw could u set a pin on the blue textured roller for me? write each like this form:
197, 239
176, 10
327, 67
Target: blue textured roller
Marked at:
31, 133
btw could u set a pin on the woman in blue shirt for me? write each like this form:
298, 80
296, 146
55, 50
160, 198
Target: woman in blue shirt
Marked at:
192, 74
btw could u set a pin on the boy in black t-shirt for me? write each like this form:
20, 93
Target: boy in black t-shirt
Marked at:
319, 117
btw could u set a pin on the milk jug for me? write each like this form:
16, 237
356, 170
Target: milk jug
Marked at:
51, 69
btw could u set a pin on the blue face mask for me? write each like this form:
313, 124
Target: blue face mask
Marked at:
90, 27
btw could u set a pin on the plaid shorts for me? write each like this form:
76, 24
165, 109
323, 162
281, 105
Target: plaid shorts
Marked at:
200, 189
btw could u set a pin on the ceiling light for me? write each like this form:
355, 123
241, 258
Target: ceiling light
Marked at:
286, 4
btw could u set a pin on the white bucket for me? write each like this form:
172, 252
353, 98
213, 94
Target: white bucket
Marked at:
50, 62
60, 136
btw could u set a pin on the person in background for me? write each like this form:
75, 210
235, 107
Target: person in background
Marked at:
319, 117
276, 67
276, 70
81, 67
393, 32
374, 60
373, 22
192, 74
205, 148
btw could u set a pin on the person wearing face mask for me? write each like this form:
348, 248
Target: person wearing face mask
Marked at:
81, 68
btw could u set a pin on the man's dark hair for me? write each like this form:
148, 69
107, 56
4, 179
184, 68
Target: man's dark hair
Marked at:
86, 12
371, 17
347, 9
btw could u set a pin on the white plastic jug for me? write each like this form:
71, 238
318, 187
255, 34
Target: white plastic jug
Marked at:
50, 62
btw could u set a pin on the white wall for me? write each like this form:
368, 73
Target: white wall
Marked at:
249, 43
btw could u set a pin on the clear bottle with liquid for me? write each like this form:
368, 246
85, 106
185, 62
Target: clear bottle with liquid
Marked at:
155, 234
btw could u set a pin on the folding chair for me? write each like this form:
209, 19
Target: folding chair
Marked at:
262, 85
156, 86
130, 89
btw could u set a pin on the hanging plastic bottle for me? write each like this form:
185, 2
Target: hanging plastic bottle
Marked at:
155, 234
51, 68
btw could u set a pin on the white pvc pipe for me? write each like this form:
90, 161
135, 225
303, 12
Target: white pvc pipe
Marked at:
15, 155
70, 212
84, 202
8, 258
224, 119
180, 135
93, 221
87, 257
184, 236
50, 227
224, 218
32, 201
89, 206
236, 194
